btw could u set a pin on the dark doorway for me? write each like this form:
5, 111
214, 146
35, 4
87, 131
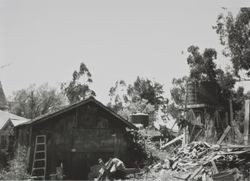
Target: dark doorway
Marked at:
82, 161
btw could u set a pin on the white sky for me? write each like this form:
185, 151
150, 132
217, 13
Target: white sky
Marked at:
45, 40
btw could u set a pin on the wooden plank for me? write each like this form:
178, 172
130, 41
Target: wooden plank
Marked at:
196, 172
185, 136
197, 135
214, 167
246, 122
231, 110
172, 141
191, 134
234, 153
234, 146
226, 118
224, 135
231, 115
204, 177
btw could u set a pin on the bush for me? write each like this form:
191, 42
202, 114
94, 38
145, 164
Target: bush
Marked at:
17, 169
3, 159
141, 148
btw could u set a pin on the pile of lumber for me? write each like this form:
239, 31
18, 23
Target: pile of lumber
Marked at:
199, 160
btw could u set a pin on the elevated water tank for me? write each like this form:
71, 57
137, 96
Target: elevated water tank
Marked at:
140, 118
205, 92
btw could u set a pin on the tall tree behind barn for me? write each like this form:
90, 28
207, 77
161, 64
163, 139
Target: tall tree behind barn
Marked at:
77, 136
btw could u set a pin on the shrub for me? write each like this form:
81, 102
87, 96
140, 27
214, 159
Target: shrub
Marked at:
141, 148
17, 169
3, 159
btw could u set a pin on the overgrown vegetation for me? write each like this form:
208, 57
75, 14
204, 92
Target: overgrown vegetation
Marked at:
144, 96
79, 87
141, 148
35, 101
234, 34
17, 167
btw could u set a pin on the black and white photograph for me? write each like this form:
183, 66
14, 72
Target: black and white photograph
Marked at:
135, 90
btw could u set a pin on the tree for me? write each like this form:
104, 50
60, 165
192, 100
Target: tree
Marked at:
234, 34
118, 96
143, 95
202, 66
178, 92
32, 101
226, 81
79, 87
149, 90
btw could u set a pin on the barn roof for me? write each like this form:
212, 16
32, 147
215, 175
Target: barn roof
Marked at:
47, 116
6, 116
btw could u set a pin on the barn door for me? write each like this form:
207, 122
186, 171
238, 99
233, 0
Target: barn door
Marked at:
79, 168
83, 161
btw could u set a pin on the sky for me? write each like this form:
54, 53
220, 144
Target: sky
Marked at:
46, 40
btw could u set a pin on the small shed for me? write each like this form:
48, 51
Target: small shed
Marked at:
76, 136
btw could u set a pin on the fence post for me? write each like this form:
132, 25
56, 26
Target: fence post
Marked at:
246, 121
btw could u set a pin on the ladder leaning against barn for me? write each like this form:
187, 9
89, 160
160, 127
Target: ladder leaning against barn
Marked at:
39, 159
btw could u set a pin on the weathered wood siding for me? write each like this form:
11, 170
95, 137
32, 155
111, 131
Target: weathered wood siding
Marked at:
77, 139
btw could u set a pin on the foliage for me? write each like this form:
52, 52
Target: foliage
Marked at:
140, 106
178, 92
234, 33
226, 81
140, 147
143, 95
146, 89
202, 66
35, 101
17, 169
79, 87
239, 98
3, 159
118, 96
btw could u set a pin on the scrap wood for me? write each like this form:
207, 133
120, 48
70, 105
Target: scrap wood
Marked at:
204, 177
173, 141
196, 172
184, 177
214, 167
224, 135
191, 135
198, 134
234, 152
231, 146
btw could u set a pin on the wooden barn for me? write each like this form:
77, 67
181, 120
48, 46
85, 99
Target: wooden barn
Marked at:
76, 136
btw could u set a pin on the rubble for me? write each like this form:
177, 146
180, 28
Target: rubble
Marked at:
200, 160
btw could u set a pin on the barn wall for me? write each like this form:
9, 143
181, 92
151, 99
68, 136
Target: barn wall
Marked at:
78, 138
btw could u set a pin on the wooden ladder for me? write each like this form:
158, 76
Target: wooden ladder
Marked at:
39, 159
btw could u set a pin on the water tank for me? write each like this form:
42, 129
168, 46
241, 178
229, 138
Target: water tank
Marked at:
191, 93
205, 92
140, 118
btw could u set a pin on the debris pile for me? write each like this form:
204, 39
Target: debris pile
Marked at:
199, 160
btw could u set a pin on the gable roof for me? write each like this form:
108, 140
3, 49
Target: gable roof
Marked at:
3, 101
47, 116
6, 117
